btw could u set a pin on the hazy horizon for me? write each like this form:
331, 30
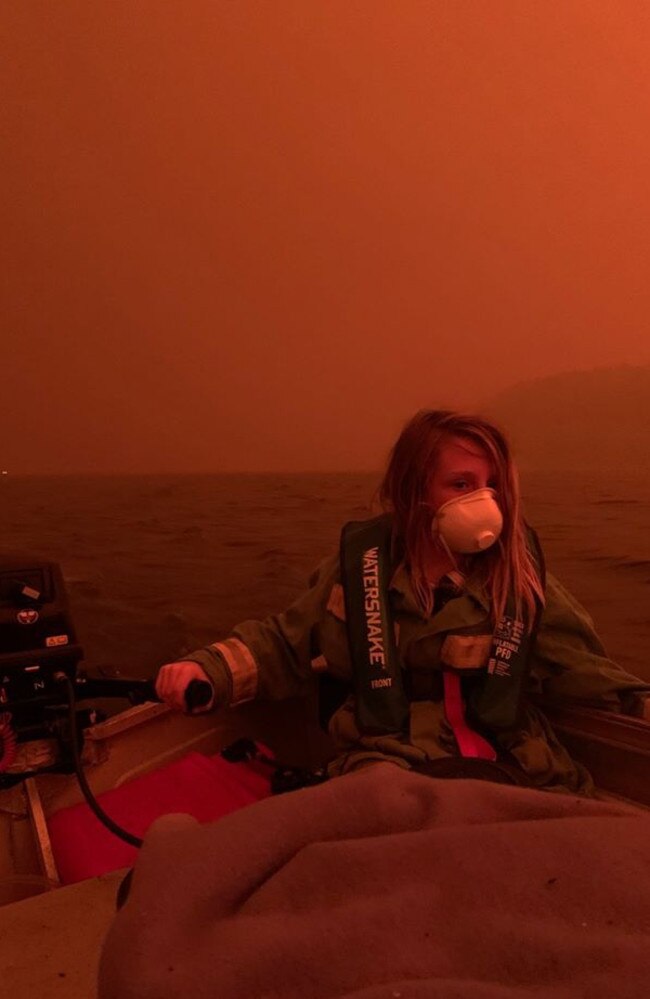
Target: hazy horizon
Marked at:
551, 424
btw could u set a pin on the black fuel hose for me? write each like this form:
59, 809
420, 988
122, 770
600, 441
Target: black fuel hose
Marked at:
197, 695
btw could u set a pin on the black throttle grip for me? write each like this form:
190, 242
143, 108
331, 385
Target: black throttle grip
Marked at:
146, 691
198, 693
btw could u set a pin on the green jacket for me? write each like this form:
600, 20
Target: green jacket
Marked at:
278, 657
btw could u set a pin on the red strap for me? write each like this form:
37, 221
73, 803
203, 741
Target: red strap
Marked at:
469, 742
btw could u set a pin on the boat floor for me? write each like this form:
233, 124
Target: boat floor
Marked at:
50, 944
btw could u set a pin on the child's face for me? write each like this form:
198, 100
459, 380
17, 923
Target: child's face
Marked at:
463, 467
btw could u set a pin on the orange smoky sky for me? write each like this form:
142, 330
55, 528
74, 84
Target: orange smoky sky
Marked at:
258, 236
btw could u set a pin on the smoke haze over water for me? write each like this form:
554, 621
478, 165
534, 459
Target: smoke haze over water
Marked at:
260, 236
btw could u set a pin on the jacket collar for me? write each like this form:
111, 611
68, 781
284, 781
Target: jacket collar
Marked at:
469, 607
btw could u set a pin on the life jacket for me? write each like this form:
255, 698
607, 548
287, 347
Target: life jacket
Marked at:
382, 705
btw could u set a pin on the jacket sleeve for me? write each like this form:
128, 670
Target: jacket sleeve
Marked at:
569, 663
270, 659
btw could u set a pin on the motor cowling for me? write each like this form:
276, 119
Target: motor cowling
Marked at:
37, 636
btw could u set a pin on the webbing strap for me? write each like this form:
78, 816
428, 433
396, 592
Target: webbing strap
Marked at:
498, 701
381, 703
470, 743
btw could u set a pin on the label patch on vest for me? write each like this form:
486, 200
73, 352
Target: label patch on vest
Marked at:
336, 602
507, 642
466, 651
319, 664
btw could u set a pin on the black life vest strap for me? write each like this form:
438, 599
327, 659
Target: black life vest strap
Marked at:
497, 703
381, 704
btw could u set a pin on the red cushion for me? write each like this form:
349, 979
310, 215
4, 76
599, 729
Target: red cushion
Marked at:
206, 787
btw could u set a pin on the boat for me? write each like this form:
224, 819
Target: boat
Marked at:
51, 932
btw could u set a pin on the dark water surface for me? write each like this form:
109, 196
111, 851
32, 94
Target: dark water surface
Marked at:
159, 565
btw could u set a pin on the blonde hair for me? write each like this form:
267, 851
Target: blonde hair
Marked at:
404, 492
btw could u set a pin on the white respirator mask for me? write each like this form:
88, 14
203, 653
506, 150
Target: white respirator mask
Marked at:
470, 523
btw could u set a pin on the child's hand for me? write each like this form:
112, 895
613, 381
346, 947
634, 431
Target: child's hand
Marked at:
173, 680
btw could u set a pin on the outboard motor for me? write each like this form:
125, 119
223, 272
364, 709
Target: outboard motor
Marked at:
40, 679
37, 636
